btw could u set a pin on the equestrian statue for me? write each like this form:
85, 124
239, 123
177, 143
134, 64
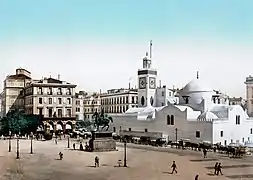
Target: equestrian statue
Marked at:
101, 119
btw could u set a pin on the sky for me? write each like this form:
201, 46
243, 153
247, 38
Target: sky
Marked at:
100, 44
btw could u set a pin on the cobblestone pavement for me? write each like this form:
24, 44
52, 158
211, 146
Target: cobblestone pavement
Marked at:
143, 164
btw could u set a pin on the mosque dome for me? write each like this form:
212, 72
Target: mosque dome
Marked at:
196, 85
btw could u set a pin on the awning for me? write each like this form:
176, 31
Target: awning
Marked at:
68, 126
58, 127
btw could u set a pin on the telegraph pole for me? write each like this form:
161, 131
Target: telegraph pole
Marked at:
125, 154
17, 148
176, 136
31, 143
10, 142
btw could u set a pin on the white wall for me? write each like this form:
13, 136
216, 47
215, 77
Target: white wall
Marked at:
232, 131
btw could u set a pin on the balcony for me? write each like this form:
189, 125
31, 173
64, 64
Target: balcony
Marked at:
68, 93
49, 93
59, 93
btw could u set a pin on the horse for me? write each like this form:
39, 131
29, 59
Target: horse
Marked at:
105, 122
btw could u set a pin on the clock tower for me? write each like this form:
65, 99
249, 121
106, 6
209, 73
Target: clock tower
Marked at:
147, 82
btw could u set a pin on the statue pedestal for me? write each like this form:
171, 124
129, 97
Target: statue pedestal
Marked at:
102, 141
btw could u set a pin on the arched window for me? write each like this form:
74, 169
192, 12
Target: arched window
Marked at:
142, 100
168, 119
172, 120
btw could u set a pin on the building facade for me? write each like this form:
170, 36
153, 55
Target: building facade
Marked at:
54, 100
91, 104
117, 101
79, 101
13, 91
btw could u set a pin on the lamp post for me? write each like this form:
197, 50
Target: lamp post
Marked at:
125, 153
68, 141
31, 143
9, 141
176, 137
17, 148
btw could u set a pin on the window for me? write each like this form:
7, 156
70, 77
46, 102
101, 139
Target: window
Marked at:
59, 92
132, 99
59, 112
168, 119
197, 134
40, 90
221, 134
163, 93
78, 102
50, 101
114, 129
225, 142
40, 111
69, 101
172, 120
59, 101
50, 91
50, 112
77, 109
237, 119
129, 129
40, 100
68, 91
162, 104
68, 112
251, 131
146, 130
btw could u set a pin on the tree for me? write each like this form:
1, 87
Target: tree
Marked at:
18, 122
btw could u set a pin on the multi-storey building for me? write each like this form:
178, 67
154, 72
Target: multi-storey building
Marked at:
54, 100
91, 104
117, 101
79, 101
13, 92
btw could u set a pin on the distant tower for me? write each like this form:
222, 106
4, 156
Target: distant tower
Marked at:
197, 75
249, 95
147, 81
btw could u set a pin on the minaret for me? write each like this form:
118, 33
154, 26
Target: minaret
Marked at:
147, 81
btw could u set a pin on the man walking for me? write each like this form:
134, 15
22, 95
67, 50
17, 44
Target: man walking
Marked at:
219, 169
174, 167
205, 153
215, 168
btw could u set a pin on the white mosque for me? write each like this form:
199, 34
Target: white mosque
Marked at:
198, 113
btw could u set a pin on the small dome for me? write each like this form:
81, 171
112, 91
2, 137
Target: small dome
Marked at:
196, 85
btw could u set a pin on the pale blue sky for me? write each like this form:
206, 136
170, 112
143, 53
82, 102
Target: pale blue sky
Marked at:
109, 37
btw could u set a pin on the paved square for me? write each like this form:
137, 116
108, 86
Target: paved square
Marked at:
143, 164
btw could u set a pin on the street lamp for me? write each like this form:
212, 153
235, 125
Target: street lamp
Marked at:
68, 141
125, 153
31, 143
9, 141
17, 148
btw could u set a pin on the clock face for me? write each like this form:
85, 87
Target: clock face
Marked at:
152, 83
142, 83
